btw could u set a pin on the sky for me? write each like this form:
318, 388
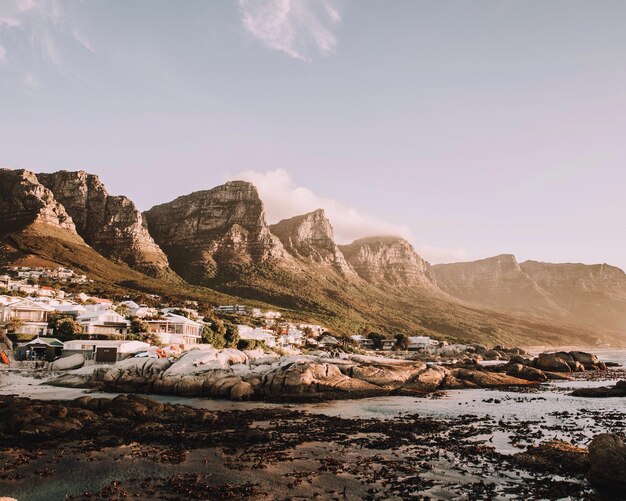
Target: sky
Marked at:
470, 127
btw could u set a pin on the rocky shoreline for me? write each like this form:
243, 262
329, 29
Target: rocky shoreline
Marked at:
254, 375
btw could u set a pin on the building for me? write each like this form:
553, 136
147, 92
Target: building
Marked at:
107, 322
104, 350
40, 348
363, 341
234, 309
176, 329
421, 342
32, 316
257, 334
268, 315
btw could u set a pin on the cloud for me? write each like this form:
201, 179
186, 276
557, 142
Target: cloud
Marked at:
3, 54
299, 28
40, 35
284, 199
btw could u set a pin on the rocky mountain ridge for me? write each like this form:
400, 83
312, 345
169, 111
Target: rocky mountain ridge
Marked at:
592, 294
112, 225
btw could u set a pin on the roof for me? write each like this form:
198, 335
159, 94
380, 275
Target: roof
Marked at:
48, 341
97, 314
32, 305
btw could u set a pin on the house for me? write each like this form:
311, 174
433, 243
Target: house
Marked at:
188, 312
420, 342
103, 322
176, 329
33, 316
24, 288
69, 308
294, 339
268, 315
328, 341
40, 348
363, 341
104, 350
5, 281
235, 309
257, 334
139, 310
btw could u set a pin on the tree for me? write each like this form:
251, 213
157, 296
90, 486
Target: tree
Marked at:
377, 340
67, 326
138, 326
123, 310
231, 336
213, 334
13, 325
151, 338
402, 341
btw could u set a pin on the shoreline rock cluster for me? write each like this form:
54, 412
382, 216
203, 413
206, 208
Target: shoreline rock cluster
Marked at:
254, 375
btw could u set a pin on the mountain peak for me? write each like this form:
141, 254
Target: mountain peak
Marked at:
24, 200
310, 236
112, 225
205, 230
387, 260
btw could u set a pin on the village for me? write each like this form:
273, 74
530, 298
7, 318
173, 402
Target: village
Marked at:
41, 321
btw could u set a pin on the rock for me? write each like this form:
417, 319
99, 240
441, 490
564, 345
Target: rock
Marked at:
517, 359
385, 374
388, 261
588, 360
554, 457
68, 363
552, 362
112, 225
310, 237
494, 355
24, 201
483, 379
426, 381
524, 372
618, 390
607, 456
242, 391
207, 230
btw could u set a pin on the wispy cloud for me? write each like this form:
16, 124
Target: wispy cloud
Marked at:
3, 54
40, 34
300, 28
283, 199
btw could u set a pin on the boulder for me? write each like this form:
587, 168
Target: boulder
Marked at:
552, 362
527, 373
484, 379
618, 390
242, 391
75, 361
607, 457
588, 360
426, 381
386, 375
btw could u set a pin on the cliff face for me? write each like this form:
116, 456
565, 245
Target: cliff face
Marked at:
112, 225
497, 282
206, 231
387, 261
589, 294
24, 201
310, 237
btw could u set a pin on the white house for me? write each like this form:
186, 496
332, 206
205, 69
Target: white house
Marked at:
176, 329
232, 308
420, 342
362, 341
33, 316
257, 334
104, 350
292, 339
103, 322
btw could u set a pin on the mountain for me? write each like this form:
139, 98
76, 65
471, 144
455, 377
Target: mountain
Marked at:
112, 225
207, 233
309, 237
388, 261
220, 242
592, 295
